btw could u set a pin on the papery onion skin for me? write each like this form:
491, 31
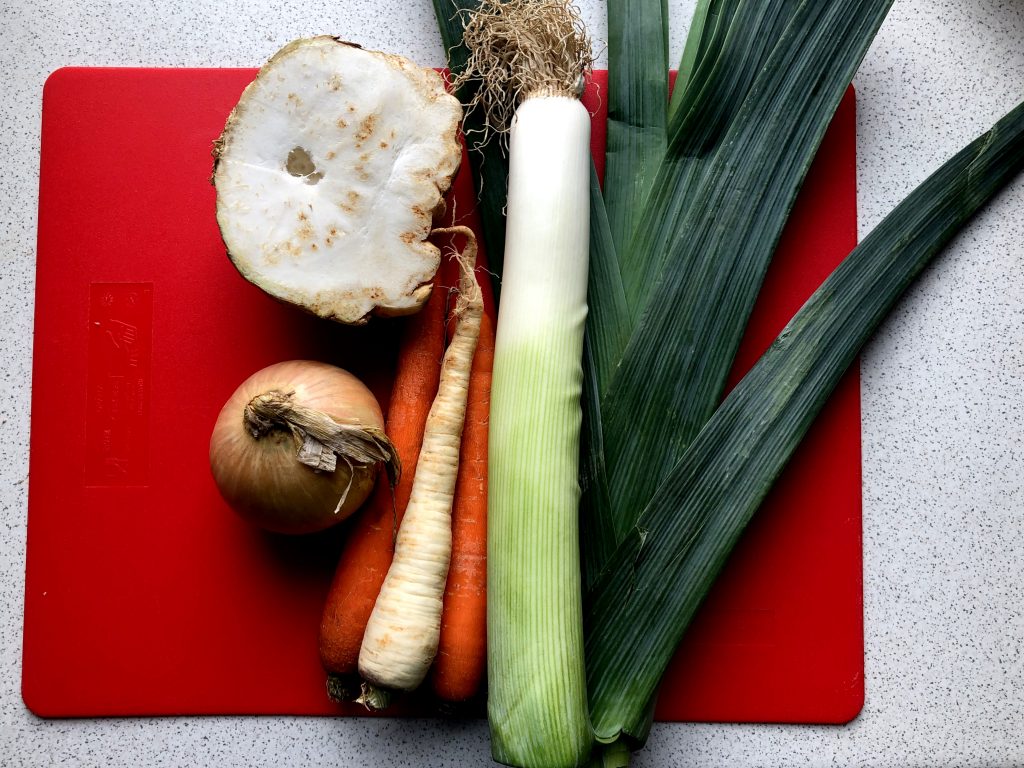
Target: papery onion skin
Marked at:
262, 480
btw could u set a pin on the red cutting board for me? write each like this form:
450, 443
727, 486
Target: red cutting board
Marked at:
146, 596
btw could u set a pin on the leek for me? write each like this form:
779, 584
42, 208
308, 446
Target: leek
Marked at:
639, 609
532, 56
719, 234
760, 83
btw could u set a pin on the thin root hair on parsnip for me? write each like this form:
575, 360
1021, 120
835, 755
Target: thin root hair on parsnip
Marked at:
522, 48
468, 293
401, 637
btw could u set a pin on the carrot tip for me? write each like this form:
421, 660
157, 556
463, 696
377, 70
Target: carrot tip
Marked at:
458, 710
342, 688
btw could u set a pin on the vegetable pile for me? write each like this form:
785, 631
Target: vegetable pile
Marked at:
329, 175
586, 435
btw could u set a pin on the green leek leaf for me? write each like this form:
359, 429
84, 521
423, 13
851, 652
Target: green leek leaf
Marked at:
705, 16
607, 332
637, 612
721, 227
637, 109
707, 43
735, 40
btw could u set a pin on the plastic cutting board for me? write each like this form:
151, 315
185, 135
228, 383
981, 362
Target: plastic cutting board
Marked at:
146, 596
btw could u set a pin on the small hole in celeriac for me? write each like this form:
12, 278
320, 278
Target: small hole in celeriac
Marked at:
300, 164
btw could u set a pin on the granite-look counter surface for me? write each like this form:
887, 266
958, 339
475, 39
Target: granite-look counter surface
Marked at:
942, 398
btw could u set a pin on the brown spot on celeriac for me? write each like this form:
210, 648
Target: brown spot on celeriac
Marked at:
366, 128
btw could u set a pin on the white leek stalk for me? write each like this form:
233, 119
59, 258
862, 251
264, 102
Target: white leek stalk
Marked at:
537, 703
534, 53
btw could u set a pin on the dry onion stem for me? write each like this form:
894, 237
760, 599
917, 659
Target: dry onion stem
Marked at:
522, 48
321, 440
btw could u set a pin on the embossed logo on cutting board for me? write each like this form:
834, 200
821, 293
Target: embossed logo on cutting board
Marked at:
120, 347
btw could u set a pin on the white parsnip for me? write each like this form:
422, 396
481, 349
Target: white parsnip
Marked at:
401, 637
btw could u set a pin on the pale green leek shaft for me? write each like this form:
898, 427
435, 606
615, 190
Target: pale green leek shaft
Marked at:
537, 702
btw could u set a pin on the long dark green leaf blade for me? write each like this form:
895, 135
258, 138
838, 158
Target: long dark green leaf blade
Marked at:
736, 39
638, 99
638, 611
607, 315
607, 333
707, 41
596, 516
637, 109
674, 369
488, 162
698, 37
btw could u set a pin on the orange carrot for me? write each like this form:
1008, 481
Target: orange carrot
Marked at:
459, 668
369, 548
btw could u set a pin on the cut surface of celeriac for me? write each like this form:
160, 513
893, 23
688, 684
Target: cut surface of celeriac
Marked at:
328, 174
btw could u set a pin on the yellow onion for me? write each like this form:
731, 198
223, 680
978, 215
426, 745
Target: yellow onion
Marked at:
297, 447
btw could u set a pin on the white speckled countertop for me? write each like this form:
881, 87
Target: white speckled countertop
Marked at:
942, 394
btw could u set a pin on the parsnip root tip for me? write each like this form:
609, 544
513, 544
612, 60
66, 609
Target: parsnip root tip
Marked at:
373, 698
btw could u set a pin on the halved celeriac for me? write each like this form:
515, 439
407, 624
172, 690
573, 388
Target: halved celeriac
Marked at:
328, 174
